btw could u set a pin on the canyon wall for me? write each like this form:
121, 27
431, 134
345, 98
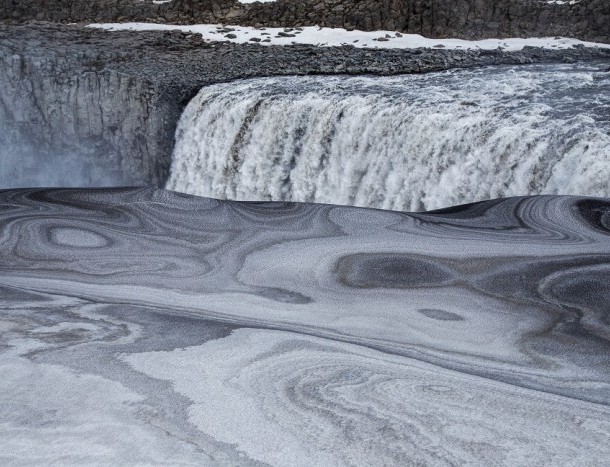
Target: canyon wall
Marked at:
66, 127
86, 107
584, 19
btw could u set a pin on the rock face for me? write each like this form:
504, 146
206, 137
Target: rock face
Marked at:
104, 105
60, 124
586, 19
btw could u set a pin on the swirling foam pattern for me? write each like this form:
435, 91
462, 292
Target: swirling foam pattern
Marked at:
144, 326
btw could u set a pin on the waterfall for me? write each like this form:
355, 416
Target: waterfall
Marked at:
413, 142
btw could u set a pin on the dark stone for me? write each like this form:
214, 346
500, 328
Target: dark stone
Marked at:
467, 19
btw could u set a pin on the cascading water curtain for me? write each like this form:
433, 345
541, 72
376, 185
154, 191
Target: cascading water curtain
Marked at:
413, 142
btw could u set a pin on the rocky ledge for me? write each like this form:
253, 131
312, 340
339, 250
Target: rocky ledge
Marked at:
113, 99
469, 19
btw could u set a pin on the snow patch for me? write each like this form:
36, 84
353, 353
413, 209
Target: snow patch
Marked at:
330, 37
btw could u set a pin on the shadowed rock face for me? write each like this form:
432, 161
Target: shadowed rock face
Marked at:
586, 19
211, 330
77, 129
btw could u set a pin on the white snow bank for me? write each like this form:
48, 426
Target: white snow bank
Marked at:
328, 37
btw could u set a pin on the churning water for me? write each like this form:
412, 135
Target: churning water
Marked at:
411, 142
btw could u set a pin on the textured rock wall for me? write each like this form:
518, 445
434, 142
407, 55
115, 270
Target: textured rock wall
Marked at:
95, 128
587, 19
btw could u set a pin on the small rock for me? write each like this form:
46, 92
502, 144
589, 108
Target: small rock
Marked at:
231, 36
254, 39
382, 39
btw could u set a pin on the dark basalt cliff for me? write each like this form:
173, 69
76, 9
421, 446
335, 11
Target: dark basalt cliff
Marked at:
584, 19
102, 107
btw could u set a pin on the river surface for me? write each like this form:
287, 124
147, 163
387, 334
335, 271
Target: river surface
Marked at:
148, 327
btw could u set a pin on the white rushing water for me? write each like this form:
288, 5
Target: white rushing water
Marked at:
414, 142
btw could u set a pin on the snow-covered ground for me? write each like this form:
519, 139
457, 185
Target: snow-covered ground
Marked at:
336, 36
